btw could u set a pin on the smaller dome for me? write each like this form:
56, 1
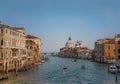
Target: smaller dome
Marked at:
78, 44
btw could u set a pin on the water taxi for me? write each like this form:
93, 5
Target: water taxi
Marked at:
112, 69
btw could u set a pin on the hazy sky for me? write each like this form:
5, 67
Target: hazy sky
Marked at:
55, 20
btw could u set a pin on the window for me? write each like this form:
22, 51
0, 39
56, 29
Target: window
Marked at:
6, 31
118, 42
119, 57
2, 42
26, 47
31, 47
10, 32
114, 50
9, 62
118, 50
1, 55
12, 61
108, 47
2, 31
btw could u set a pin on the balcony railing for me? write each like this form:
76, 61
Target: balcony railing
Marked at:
23, 55
15, 57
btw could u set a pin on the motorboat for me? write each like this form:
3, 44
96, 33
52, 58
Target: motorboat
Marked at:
65, 68
118, 68
82, 67
74, 60
43, 61
112, 69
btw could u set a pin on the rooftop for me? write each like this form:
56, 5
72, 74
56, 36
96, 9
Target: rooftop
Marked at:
111, 41
31, 37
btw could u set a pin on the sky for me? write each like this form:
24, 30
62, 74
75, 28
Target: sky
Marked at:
55, 20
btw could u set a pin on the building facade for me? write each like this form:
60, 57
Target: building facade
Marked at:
74, 50
99, 50
30, 46
117, 45
12, 47
109, 49
36, 46
69, 43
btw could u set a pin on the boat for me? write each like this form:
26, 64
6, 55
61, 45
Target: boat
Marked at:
65, 68
74, 60
112, 69
82, 67
43, 61
39, 63
118, 68
3, 78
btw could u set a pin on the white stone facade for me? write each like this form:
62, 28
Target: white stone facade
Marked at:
12, 47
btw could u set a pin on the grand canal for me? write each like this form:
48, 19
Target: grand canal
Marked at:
52, 72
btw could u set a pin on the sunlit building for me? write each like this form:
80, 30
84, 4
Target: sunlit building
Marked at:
117, 45
109, 51
30, 50
68, 49
37, 43
99, 49
12, 47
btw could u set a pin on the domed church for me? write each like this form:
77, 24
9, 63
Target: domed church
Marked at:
69, 43
78, 44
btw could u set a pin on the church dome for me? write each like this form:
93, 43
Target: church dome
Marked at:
78, 44
69, 43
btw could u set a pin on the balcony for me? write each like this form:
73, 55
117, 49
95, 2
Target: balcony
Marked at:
15, 57
23, 55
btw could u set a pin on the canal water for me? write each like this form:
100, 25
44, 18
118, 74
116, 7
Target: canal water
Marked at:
52, 72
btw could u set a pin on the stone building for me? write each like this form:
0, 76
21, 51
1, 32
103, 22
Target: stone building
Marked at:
117, 45
74, 50
30, 46
12, 47
36, 46
69, 43
68, 49
99, 49
109, 51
